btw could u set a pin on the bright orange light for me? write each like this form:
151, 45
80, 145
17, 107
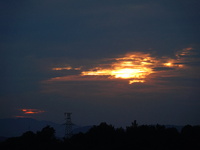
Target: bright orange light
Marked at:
134, 67
100, 72
169, 64
129, 73
136, 81
31, 111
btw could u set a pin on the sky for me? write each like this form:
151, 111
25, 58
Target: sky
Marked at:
111, 61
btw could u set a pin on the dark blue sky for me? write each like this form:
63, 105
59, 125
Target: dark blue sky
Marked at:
37, 36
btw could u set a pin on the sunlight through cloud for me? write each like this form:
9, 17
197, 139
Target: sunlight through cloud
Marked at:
135, 67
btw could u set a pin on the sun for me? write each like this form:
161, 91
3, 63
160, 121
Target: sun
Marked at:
133, 67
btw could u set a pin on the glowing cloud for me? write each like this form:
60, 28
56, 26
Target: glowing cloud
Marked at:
62, 68
28, 113
66, 68
184, 52
134, 67
31, 111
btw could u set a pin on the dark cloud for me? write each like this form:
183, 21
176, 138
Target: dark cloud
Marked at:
37, 36
162, 68
96, 29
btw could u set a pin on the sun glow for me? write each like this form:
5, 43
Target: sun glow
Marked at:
133, 67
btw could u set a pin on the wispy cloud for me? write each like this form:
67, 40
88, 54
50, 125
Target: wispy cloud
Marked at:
32, 111
28, 113
133, 67
127, 75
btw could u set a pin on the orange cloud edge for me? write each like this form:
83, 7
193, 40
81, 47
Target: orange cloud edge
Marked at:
31, 111
134, 67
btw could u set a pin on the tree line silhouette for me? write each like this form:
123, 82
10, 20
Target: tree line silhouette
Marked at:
104, 136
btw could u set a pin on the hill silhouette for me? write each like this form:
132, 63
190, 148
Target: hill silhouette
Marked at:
13, 127
104, 136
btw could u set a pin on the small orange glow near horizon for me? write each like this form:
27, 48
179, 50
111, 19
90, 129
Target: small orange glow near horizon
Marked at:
31, 111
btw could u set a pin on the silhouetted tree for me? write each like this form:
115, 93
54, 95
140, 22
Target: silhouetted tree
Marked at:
42, 140
47, 133
104, 136
190, 136
101, 135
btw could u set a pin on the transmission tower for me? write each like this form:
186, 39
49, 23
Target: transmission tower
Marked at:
68, 125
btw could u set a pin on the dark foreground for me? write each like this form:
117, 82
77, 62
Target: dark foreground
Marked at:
104, 136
